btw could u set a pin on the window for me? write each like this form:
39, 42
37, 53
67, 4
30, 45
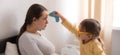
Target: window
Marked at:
116, 13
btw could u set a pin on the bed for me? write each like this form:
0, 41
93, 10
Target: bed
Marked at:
8, 47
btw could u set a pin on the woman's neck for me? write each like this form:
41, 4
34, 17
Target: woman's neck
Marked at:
31, 29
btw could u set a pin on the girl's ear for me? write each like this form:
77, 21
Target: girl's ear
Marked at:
90, 36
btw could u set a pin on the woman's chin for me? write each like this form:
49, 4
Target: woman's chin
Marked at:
43, 28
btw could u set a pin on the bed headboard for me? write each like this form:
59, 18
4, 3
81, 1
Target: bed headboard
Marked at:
11, 39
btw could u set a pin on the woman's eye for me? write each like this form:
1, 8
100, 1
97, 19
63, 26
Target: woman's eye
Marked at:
44, 18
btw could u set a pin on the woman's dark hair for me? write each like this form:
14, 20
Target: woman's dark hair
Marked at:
34, 11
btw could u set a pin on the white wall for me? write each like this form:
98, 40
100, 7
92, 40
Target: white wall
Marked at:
12, 15
115, 42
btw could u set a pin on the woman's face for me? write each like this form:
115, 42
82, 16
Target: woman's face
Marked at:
42, 22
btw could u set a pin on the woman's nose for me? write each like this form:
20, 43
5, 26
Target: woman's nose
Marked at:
46, 21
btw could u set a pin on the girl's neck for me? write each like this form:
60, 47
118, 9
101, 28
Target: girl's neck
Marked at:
86, 41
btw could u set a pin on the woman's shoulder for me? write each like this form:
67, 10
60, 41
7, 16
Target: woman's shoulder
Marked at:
25, 36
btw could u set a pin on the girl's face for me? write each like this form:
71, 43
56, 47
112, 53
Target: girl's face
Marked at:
84, 35
42, 22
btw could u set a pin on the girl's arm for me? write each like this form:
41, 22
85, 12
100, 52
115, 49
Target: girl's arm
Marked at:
70, 27
67, 24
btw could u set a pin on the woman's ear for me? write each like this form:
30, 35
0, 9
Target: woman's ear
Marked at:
34, 19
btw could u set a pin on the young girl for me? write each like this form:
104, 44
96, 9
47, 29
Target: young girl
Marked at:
88, 34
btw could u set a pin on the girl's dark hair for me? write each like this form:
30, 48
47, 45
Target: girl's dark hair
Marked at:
92, 26
34, 11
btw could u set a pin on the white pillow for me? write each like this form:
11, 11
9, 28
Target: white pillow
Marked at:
70, 50
11, 49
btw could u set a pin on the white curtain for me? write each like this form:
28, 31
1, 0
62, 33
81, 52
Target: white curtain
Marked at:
102, 10
107, 17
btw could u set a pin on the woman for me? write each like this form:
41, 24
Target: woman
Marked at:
30, 41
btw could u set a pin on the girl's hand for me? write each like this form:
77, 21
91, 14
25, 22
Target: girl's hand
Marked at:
59, 15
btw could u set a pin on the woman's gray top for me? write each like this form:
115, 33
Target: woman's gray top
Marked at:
33, 44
